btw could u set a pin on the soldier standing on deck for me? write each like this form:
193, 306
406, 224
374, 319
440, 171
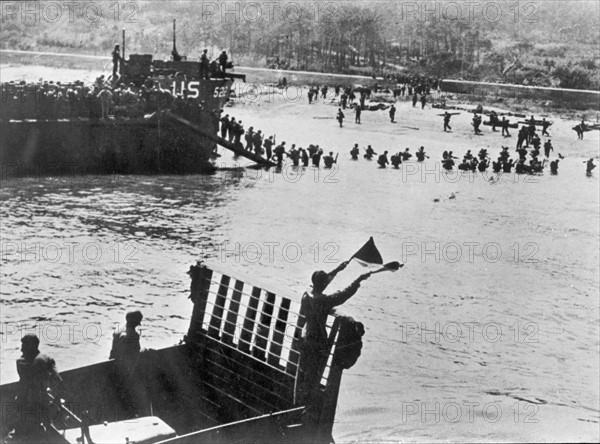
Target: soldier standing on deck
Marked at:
37, 373
117, 62
315, 344
126, 351
204, 65
126, 343
223, 61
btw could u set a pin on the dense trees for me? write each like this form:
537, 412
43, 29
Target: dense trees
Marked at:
547, 43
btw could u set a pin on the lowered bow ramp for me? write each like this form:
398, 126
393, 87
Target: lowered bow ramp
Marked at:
236, 149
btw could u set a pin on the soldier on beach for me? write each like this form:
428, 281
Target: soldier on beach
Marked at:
357, 112
447, 121
370, 153
505, 127
316, 157
304, 157
589, 167
340, 117
548, 147
329, 160
476, 124
382, 161
279, 151
354, 152
392, 113
493, 119
545, 125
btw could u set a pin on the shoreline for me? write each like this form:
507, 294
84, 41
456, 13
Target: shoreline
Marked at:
267, 77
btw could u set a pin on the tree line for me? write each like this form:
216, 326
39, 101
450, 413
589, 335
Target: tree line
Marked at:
541, 43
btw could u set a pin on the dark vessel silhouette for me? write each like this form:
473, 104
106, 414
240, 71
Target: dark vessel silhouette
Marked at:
154, 117
233, 378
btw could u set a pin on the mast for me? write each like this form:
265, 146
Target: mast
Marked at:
174, 53
174, 38
123, 47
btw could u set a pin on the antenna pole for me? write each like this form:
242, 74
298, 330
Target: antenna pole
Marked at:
174, 38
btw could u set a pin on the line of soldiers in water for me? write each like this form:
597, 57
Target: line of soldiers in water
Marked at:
267, 148
480, 163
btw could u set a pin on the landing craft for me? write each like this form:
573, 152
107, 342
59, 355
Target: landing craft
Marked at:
52, 128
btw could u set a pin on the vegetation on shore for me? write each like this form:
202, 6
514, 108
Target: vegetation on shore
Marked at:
532, 43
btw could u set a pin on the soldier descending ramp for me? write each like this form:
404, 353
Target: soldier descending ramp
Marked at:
237, 150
